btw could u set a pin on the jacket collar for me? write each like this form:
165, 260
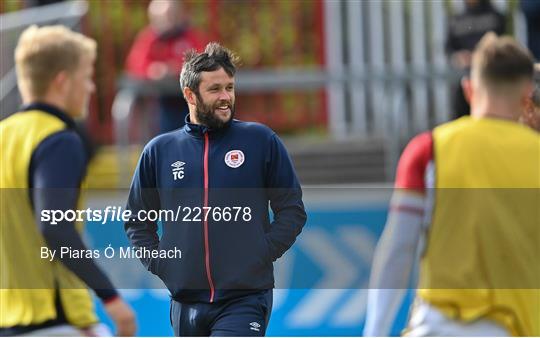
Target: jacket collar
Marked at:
50, 109
198, 130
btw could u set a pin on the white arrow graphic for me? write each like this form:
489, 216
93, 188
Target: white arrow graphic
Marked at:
363, 242
283, 269
339, 273
313, 308
353, 312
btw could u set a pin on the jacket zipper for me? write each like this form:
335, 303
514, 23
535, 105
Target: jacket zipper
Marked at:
205, 219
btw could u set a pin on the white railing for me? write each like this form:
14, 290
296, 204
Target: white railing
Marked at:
387, 39
390, 58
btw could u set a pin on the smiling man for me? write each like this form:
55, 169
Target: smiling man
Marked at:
220, 176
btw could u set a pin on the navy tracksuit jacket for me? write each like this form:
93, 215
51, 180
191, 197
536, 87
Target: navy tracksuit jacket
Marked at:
242, 165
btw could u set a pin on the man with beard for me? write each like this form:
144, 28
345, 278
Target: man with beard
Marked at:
218, 175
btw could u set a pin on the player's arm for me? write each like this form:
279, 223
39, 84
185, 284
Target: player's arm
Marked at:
56, 187
143, 195
393, 264
397, 251
285, 195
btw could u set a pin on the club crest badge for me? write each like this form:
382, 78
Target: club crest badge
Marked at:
234, 158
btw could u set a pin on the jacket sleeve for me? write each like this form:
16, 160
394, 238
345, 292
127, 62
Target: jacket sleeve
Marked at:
285, 196
143, 196
393, 268
531, 9
56, 187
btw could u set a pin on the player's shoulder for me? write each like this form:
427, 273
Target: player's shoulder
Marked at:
66, 143
35, 116
9, 122
160, 142
68, 137
414, 162
252, 128
421, 143
418, 152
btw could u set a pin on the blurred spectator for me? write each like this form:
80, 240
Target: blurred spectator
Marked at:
157, 54
464, 32
531, 9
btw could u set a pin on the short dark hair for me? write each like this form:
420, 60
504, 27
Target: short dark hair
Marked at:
213, 58
501, 61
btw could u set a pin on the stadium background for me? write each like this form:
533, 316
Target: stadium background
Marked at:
345, 83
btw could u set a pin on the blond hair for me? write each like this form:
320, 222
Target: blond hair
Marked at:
43, 52
499, 63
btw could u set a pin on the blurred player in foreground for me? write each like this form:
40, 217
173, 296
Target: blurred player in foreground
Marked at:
43, 163
466, 204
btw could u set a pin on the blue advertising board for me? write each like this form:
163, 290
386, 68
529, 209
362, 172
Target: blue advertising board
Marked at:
321, 281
